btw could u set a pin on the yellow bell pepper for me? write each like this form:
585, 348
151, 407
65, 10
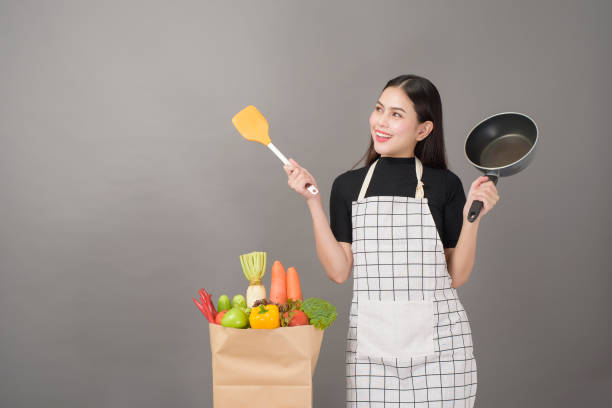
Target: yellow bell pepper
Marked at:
264, 317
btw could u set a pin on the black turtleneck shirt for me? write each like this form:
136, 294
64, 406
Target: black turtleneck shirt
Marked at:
396, 176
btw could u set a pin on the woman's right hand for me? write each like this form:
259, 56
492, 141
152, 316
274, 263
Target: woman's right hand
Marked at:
299, 178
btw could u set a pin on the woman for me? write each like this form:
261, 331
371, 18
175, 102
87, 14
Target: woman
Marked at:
400, 224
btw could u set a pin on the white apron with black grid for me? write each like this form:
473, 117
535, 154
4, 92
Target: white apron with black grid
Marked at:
409, 339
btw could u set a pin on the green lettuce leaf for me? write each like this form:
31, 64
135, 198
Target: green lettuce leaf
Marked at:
320, 312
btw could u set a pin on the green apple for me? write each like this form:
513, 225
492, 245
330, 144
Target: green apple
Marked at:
236, 318
239, 300
223, 303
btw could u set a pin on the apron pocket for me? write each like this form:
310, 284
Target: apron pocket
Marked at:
395, 329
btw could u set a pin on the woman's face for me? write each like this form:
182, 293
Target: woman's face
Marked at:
394, 126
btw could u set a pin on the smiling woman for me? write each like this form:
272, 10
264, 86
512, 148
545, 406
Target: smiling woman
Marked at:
406, 111
398, 224
394, 122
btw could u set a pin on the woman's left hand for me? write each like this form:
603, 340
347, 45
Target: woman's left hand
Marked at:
484, 190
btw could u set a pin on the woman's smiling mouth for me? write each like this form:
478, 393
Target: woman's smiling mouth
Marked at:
382, 136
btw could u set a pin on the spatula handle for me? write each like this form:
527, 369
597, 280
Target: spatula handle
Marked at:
313, 190
278, 153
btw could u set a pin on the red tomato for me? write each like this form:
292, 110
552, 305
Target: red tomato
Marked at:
220, 317
299, 318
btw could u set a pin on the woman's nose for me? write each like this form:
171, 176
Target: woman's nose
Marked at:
382, 121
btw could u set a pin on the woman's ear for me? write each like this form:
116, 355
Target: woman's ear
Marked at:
425, 129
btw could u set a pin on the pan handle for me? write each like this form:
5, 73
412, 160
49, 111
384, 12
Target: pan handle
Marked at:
477, 204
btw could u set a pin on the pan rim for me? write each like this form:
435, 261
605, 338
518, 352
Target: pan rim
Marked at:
507, 165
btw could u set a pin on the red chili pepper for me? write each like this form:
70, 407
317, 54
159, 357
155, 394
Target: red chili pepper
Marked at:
207, 300
204, 300
212, 305
200, 307
204, 311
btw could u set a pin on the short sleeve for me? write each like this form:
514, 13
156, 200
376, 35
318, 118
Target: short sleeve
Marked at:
453, 210
340, 213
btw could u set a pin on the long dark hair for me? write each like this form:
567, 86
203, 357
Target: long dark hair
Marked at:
428, 106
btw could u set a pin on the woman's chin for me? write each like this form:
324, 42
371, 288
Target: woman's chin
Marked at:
381, 149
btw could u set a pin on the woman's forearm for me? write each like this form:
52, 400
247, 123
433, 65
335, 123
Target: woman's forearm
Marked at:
462, 260
330, 252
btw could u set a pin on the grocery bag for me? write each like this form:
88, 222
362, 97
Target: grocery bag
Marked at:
269, 368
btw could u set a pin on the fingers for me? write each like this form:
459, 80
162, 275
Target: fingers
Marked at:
299, 182
484, 190
490, 189
480, 180
483, 184
291, 166
488, 198
294, 168
289, 169
296, 172
485, 197
298, 177
308, 174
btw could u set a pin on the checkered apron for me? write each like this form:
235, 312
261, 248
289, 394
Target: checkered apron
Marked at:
409, 339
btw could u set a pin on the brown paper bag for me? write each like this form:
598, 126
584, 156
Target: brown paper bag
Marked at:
264, 368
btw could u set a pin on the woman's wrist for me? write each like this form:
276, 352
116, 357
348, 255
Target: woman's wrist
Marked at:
314, 201
471, 225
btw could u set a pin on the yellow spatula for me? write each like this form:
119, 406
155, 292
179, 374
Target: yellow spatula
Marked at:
253, 126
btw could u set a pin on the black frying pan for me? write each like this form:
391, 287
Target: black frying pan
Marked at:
499, 146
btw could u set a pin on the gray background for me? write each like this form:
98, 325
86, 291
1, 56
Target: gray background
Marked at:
125, 188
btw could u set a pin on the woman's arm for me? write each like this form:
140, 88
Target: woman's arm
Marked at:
460, 260
335, 257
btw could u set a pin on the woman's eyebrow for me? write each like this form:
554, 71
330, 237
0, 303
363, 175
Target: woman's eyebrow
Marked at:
393, 107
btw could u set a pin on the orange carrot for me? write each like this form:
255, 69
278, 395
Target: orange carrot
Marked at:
278, 287
294, 291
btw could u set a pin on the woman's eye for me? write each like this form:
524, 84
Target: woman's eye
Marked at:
398, 115
378, 108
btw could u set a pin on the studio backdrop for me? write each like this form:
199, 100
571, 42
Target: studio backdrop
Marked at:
124, 187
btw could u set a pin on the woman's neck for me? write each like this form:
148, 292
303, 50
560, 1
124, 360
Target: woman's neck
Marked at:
399, 155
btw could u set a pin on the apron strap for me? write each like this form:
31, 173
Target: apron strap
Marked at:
419, 193
366, 182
